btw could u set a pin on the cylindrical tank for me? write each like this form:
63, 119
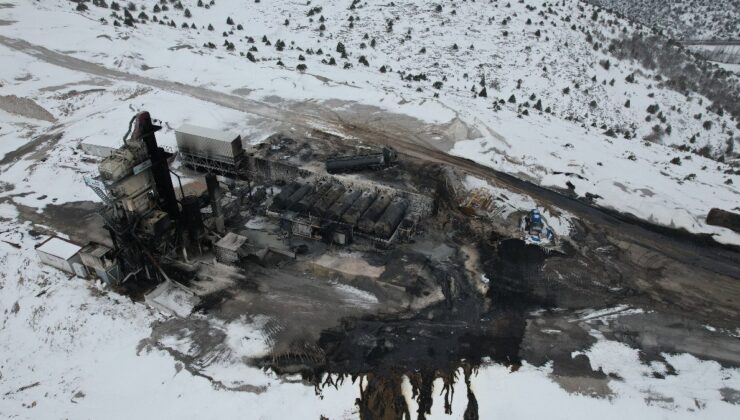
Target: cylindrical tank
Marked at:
352, 215
353, 163
278, 203
388, 222
368, 219
342, 204
323, 204
304, 205
297, 195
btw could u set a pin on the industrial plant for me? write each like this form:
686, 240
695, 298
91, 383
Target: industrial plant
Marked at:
165, 225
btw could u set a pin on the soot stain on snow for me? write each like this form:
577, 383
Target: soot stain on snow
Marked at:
458, 334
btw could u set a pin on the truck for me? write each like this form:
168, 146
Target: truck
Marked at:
535, 228
359, 162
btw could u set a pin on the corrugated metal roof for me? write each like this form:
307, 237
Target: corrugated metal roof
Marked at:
210, 133
58, 247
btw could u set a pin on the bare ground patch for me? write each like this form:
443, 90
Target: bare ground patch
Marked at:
25, 108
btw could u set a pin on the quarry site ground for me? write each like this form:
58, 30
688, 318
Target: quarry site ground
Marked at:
626, 317
425, 310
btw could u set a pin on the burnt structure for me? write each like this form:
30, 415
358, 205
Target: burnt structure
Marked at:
210, 150
335, 213
367, 221
391, 218
144, 131
142, 213
359, 162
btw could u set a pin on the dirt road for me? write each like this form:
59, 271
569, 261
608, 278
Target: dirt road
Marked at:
686, 272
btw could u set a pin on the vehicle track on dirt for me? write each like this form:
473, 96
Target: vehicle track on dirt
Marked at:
710, 269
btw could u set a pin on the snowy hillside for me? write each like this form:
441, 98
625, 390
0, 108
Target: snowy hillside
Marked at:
527, 88
548, 59
683, 19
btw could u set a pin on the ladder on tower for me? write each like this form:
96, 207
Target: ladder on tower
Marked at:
99, 189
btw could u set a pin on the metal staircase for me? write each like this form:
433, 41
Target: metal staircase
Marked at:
99, 189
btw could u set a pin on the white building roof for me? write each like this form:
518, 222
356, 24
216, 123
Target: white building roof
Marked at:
210, 133
58, 247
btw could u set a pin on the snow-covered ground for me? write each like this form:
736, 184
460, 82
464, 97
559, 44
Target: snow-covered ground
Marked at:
69, 349
465, 50
683, 19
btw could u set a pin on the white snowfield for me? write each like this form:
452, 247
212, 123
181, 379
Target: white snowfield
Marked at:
69, 349
633, 176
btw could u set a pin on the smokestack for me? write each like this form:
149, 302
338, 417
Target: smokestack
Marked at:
145, 130
214, 193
